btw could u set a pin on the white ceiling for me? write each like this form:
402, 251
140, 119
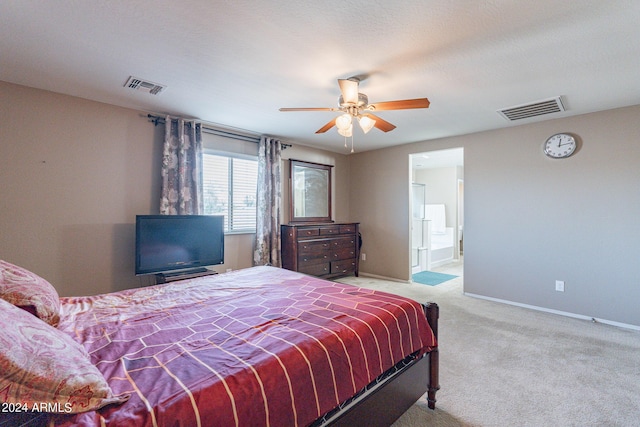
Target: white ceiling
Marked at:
234, 63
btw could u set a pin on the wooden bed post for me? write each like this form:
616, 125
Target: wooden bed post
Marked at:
432, 311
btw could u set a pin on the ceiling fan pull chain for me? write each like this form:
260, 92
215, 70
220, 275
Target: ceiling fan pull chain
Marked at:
352, 143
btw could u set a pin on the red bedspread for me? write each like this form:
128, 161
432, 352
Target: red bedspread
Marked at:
256, 347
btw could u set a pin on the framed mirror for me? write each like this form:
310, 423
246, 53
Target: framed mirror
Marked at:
310, 197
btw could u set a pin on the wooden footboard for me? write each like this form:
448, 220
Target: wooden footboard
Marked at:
432, 311
382, 407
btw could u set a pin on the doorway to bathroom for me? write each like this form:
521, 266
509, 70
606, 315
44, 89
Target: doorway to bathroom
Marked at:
437, 209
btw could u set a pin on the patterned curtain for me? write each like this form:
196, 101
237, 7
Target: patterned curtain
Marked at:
181, 168
267, 250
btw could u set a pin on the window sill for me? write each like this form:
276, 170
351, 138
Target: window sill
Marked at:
233, 233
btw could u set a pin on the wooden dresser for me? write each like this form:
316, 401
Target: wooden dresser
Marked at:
323, 250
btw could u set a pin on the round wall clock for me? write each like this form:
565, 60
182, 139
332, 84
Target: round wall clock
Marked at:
560, 145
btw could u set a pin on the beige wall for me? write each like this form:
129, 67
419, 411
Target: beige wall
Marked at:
380, 192
75, 173
529, 220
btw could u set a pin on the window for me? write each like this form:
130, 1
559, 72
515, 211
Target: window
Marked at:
229, 187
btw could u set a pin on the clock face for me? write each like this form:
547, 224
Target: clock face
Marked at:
560, 145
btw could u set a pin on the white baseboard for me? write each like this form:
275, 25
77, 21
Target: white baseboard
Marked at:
390, 279
441, 262
561, 313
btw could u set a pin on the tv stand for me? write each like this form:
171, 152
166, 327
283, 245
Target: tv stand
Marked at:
183, 274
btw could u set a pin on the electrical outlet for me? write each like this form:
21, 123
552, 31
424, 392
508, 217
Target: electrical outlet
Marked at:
363, 256
560, 285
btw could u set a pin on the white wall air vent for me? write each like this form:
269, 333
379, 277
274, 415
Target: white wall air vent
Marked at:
539, 108
144, 85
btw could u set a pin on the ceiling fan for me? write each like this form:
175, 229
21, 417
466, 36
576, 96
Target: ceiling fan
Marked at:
355, 105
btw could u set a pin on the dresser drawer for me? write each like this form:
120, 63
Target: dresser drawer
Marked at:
308, 232
310, 247
344, 253
343, 267
330, 230
314, 258
315, 270
306, 247
343, 242
347, 229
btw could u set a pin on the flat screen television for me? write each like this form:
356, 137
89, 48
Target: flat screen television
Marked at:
170, 243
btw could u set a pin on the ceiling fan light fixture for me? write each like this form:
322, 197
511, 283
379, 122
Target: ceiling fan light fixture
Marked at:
349, 90
355, 105
343, 122
366, 123
347, 132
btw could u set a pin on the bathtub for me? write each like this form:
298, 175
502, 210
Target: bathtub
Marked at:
430, 249
442, 247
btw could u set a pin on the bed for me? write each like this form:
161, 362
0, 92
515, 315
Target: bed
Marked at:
256, 347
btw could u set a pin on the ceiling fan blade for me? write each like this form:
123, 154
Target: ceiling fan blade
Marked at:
381, 124
308, 109
349, 89
405, 104
326, 127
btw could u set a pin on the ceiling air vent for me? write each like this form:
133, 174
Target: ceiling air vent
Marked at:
539, 108
144, 85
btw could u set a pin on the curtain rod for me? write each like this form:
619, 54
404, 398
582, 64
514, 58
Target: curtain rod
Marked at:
156, 120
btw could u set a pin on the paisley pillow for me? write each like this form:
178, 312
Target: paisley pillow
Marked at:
43, 369
30, 292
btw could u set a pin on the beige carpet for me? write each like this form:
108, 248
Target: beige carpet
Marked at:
502, 365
